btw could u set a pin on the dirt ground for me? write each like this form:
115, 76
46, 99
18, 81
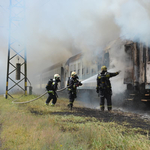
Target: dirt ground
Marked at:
128, 119
127, 113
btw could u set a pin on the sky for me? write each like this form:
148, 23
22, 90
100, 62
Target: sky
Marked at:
56, 30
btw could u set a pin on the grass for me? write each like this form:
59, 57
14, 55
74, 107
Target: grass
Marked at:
34, 126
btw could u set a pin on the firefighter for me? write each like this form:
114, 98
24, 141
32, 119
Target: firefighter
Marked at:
51, 87
104, 87
72, 85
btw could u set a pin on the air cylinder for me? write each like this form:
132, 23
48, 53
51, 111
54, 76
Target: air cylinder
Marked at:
30, 90
18, 71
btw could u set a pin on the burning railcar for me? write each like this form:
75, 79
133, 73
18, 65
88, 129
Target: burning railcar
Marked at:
136, 75
137, 72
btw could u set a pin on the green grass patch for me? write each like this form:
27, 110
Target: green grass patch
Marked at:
34, 126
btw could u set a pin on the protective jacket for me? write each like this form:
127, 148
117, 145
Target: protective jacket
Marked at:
72, 84
51, 86
103, 82
104, 88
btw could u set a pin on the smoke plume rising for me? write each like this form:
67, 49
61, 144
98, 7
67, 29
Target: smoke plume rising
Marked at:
56, 30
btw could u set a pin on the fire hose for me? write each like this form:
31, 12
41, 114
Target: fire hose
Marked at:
14, 102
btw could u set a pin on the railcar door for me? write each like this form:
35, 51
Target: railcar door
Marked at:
148, 68
128, 77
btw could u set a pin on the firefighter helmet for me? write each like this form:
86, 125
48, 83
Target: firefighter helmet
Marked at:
56, 76
73, 74
104, 68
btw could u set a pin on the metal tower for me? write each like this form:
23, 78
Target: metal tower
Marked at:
16, 49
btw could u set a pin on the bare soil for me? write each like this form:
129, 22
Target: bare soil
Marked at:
128, 119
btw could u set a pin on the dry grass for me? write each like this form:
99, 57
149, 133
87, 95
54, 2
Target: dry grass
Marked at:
34, 126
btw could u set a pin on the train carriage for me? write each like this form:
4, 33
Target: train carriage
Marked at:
136, 75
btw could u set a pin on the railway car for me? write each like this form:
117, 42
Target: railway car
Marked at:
86, 70
137, 73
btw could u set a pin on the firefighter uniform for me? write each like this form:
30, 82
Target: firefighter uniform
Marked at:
51, 87
72, 85
104, 87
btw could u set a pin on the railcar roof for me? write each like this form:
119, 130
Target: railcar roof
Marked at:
129, 42
74, 58
53, 66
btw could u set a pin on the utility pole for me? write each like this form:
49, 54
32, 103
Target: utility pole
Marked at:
16, 49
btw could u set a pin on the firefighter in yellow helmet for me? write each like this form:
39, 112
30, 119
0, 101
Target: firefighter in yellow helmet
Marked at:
72, 85
51, 87
104, 87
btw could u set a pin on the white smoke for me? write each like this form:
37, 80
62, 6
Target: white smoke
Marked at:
134, 20
55, 30
117, 62
3, 59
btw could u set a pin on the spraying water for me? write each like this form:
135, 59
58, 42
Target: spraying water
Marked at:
90, 80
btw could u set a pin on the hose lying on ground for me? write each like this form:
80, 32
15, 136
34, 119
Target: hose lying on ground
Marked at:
36, 98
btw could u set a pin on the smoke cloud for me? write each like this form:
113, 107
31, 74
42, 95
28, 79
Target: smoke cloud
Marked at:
56, 30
